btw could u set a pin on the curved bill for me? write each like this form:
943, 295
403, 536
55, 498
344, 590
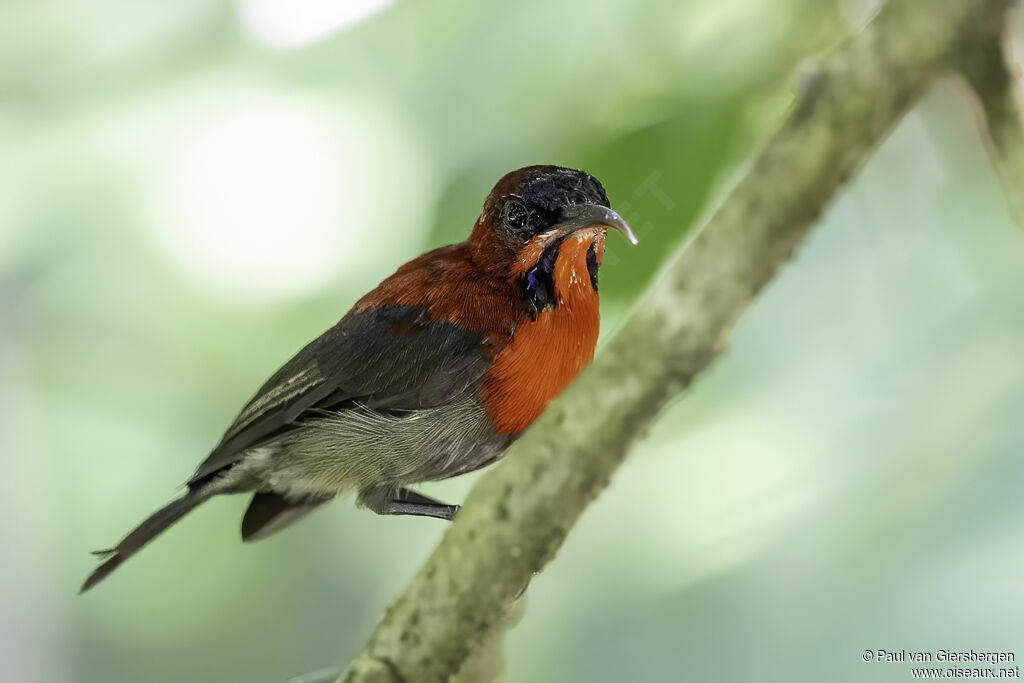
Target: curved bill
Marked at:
580, 216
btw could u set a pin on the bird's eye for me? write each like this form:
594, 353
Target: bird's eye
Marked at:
515, 215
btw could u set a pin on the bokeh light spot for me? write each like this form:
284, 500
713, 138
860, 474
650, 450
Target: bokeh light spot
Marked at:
270, 197
294, 23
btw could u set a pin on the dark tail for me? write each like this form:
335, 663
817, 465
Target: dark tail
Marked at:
268, 513
155, 524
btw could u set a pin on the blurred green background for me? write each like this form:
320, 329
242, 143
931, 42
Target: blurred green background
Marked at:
190, 191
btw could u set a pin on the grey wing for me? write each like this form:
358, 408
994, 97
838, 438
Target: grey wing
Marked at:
384, 358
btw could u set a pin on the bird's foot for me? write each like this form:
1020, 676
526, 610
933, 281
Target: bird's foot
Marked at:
403, 501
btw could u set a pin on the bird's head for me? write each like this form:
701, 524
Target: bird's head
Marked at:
544, 226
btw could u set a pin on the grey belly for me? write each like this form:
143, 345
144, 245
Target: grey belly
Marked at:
359, 448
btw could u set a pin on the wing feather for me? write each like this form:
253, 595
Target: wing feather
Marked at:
385, 358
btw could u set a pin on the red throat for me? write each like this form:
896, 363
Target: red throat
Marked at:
548, 351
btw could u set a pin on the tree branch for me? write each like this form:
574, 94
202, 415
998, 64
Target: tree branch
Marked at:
519, 513
993, 77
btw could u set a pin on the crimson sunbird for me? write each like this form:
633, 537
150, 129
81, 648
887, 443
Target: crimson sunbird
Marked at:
432, 374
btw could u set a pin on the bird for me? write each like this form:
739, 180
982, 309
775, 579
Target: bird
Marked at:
432, 374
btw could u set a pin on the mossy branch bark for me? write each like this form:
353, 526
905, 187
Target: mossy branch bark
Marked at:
984, 60
519, 513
